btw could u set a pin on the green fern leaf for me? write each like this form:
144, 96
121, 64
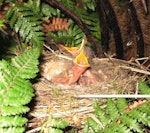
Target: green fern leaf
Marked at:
101, 114
26, 22
112, 109
36, 5
8, 121
131, 123
143, 87
9, 12
121, 105
73, 37
15, 90
1, 24
54, 130
89, 4
56, 123
12, 130
120, 128
49, 11
13, 110
145, 108
140, 116
13, 19
93, 125
27, 63
116, 128
69, 3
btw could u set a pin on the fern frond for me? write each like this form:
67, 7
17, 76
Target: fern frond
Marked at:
26, 63
49, 11
27, 23
69, 3
91, 20
13, 110
55, 130
1, 24
73, 37
116, 128
112, 109
8, 121
131, 123
55, 125
15, 90
140, 116
116, 119
143, 87
12, 130
101, 114
145, 108
92, 123
121, 104
35, 5
89, 4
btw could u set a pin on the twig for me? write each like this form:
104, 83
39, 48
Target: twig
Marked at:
135, 70
113, 96
35, 130
58, 55
49, 48
65, 113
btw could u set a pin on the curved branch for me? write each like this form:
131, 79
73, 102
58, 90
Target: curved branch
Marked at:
95, 46
115, 28
104, 27
139, 35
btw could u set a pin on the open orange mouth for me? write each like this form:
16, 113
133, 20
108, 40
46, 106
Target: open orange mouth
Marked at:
81, 60
74, 50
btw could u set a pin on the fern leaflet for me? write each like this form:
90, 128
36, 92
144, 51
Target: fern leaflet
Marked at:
27, 23
115, 118
15, 90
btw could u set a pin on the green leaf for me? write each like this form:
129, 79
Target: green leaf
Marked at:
101, 114
26, 22
27, 64
56, 123
94, 125
131, 123
1, 23
9, 121
143, 87
12, 130
13, 110
121, 105
140, 116
112, 109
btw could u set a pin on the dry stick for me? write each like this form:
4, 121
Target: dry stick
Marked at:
35, 130
71, 14
58, 55
136, 70
124, 61
113, 96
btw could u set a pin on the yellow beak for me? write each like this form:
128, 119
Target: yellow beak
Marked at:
81, 60
74, 50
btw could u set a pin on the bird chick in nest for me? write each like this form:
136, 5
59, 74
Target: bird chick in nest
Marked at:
62, 70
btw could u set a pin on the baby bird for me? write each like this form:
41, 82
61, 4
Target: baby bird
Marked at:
69, 72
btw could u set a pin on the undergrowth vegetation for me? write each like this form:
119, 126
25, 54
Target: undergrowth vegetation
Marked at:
16, 90
30, 20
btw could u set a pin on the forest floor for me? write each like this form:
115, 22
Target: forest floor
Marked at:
73, 103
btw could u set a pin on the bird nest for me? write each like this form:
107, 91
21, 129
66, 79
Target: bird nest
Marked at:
73, 103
